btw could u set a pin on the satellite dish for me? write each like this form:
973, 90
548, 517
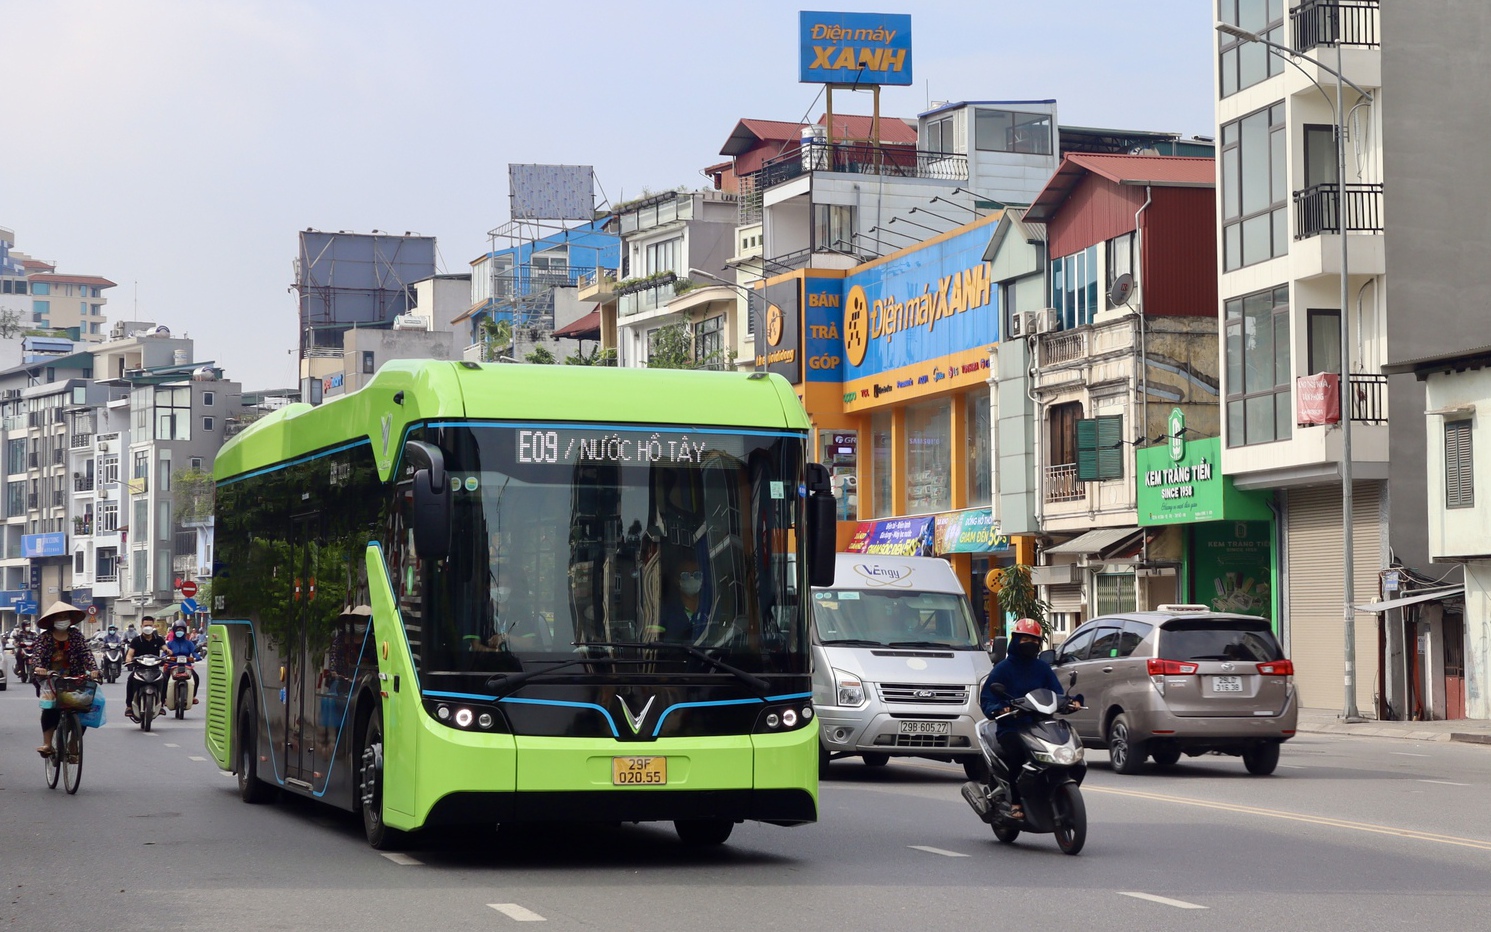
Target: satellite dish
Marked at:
1121, 290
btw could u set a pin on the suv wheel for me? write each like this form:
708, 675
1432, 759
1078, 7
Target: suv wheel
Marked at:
1126, 754
1261, 759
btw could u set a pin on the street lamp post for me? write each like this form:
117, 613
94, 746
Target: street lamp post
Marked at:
1349, 712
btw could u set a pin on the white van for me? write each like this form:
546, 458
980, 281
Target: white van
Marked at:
898, 661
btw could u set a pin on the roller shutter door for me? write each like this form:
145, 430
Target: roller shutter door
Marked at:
1314, 596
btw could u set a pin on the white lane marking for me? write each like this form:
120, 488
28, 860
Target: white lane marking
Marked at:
1178, 904
172, 745
227, 773
196, 758
945, 853
1444, 783
1292, 766
1407, 754
517, 913
400, 858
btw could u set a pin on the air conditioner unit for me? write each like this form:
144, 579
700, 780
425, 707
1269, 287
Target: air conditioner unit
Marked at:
1047, 320
103, 492
103, 446
1022, 323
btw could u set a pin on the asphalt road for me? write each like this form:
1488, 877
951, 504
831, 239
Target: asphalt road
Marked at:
1351, 833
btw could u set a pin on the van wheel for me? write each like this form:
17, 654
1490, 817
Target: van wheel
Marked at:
1261, 759
1126, 754
876, 760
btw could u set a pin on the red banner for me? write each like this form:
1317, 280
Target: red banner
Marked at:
1317, 399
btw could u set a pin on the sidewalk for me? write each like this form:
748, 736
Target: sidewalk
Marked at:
1328, 721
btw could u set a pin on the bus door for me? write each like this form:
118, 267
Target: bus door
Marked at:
300, 728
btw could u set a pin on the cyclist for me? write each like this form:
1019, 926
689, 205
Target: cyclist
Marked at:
62, 650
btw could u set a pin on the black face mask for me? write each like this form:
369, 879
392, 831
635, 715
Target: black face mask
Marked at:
1026, 648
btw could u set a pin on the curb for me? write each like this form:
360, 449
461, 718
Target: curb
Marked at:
1467, 738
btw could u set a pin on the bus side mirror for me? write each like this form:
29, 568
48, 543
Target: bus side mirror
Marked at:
431, 500
822, 526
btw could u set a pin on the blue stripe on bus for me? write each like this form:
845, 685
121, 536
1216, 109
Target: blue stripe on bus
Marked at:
297, 461
572, 705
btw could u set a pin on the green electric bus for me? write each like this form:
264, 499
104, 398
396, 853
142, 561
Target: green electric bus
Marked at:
500, 593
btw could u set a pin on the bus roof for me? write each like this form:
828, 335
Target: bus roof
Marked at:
406, 391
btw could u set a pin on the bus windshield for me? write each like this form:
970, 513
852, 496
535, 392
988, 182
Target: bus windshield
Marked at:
855, 617
567, 535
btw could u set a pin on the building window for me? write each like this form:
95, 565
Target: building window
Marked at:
139, 569
1120, 258
833, 227
1062, 446
141, 469
1100, 448
163, 569
928, 457
108, 517
1255, 221
41, 288
709, 348
1259, 399
1074, 287
662, 257
1459, 474
208, 398
1245, 63
207, 423
980, 443
368, 365
15, 498
1010, 131
940, 136
40, 309
882, 502
15, 456
163, 473
196, 463
162, 521
1325, 340
77, 563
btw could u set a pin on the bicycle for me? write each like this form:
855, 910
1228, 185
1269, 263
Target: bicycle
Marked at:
66, 759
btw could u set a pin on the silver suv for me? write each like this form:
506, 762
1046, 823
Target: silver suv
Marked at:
1181, 680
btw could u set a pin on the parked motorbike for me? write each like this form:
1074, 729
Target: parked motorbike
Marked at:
113, 662
148, 671
1049, 783
180, 688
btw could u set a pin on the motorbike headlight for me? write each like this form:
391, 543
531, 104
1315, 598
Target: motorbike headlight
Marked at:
1063, 755
850, 691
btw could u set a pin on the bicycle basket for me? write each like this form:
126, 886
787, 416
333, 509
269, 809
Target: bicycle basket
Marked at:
77, 699
94, 717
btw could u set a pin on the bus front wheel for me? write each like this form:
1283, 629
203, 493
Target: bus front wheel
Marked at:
251, 789
370, 787
699, 833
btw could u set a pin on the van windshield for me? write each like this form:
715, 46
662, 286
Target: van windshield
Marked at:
853, 617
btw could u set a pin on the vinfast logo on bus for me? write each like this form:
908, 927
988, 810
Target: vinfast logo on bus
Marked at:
855, 48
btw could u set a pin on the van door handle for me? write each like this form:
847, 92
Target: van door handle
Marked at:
1107, 669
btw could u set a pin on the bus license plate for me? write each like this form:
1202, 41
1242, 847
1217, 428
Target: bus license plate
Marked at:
926, 728
639, 771
1226, 684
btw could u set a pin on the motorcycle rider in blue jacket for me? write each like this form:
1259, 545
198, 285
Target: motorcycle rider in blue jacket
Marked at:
1021, 671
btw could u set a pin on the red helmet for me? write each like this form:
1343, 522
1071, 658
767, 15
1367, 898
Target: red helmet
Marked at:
1028, 626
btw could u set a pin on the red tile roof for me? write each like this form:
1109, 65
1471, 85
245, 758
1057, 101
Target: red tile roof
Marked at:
1170, 171
73, 279
586, 328
857, 127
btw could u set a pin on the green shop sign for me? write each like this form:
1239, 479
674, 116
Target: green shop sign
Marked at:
1190, 487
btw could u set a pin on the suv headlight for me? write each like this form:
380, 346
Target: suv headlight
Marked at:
848, 691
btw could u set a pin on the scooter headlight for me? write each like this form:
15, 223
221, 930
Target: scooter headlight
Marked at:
1063, 755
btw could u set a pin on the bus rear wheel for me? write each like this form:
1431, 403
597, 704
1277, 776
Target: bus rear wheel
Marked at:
698, 833
370, 788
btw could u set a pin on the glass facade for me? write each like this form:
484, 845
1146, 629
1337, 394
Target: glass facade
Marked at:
980, 442
1259, 396
881, 502
929, 457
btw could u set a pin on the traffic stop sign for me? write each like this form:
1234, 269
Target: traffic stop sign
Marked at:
188, 588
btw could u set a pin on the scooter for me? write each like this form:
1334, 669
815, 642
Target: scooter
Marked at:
147, 671
180, 688
1049, 783
113, 662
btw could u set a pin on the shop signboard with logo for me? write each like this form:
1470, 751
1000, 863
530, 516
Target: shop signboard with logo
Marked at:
44, 545
778, 327
896, 537
1189, 487
860, 49
975, 530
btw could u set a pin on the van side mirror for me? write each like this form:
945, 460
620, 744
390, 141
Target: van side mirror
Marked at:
822, 530
999, 648
432, 503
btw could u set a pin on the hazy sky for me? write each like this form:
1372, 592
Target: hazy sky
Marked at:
177, 147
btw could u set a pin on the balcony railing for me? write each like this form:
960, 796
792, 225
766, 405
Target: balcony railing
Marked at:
1315, 209
80, 441
1326, 22
1061, 484
859, 158
82, 484
1063, 348
1368, 394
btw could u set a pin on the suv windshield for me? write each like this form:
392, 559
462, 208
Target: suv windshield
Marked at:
853, 617
614, 535
1219, 639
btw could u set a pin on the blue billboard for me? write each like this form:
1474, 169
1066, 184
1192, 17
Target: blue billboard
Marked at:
860, 49
44, 545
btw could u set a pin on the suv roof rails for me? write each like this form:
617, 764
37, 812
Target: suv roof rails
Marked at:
1183, 607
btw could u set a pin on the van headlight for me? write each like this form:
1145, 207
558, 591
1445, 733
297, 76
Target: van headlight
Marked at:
848, 689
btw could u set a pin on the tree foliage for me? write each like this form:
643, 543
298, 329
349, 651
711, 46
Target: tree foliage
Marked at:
1018, 596
195, 493
541, 357
596, 357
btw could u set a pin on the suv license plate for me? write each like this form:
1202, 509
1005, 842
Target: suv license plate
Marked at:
639, 771
1226, 684
926, 728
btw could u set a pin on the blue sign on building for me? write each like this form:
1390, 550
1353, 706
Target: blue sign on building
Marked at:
859, 49
44, 545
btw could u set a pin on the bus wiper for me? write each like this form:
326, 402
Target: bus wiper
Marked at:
505, 683
750, 679
853, 642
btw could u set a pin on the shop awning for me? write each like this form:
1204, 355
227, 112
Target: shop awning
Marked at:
1095, 541
586, 328
1427, 595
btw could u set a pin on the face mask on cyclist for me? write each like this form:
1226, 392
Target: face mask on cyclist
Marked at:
61, 625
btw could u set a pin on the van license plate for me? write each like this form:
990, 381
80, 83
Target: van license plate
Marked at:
1226, 684
639, 771
926, 728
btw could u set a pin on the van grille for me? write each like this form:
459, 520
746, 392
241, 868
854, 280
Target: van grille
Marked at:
921, 741
910, 694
